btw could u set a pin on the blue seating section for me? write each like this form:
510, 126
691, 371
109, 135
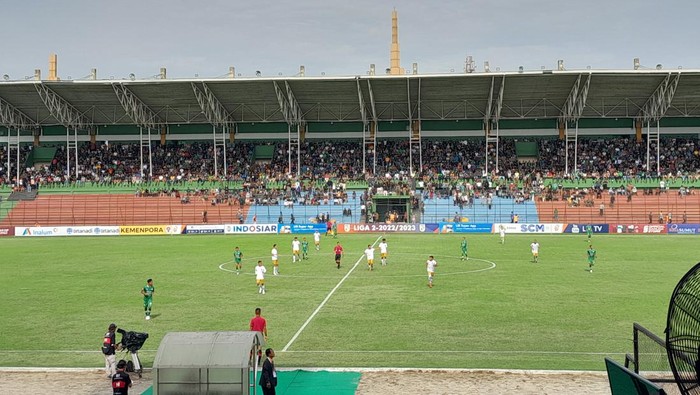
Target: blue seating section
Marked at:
303, 214
443, 209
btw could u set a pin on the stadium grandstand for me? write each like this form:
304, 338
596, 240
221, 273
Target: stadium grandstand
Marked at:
548, 145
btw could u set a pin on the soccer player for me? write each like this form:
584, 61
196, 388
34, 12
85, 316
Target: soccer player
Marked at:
317, 240
464, 246
334, 229
296, 248
304, 248
238, 258
502, 232
147, 292
338, 249
535, 249
589, 231
275, 260
260, 277
383, 251
591, 258
369, 252
430, 265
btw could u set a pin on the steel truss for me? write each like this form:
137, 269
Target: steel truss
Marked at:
369, 134
14, 120
69, 117
293, 115
653, 110
570, 114
143, 116
221, 122
414, 125
492, 116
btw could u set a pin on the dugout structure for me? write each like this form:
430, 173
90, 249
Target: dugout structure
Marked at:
207, 363
393, 208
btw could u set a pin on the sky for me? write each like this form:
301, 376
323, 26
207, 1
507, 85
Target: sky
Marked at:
340, 38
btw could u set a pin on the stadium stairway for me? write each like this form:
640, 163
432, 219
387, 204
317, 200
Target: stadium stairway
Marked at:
117, 209
443, 209
304, 214
635, 211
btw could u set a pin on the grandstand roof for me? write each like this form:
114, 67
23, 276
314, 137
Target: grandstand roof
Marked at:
639, 94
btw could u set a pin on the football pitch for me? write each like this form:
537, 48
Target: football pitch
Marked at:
496, 310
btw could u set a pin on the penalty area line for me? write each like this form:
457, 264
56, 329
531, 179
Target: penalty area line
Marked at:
323, 303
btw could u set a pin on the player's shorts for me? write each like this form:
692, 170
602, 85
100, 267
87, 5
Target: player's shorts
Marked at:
591, 261
383, 255
276, 262
370, 261
535, 254
337, 257
260, 282
148, 302
295, 251
431, 274
238, 261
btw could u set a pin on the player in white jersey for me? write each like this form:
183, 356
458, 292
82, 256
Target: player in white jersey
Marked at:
535, 248
502, 232
317, 240
369, 252
275, 260
296, 249
383, 251
430, 265
260, 277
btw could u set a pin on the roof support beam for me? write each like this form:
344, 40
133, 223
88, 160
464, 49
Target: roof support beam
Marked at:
13, 118
493, 113
361, 99
136, 109
60, 109
660, 101
294, 106
284, 106
576, 101
372, 103
212, 108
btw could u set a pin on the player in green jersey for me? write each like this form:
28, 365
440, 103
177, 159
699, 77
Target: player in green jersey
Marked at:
304, 248
238, 259
589, 232
147, 292
464, 246
591, 258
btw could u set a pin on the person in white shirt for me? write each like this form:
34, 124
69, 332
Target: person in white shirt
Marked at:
502, 232
369, 252
275, 260
383, 251
260, 277
535, 248
317, 240
430, 265
296, 248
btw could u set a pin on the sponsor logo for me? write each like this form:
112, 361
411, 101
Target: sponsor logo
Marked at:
682, 229
532, 228
654, 228
144, 230
258, 228
7, 232
575, 229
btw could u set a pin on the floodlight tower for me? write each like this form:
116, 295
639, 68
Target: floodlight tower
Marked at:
395, 68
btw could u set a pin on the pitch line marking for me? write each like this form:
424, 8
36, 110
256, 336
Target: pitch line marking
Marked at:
501, 352
311, 317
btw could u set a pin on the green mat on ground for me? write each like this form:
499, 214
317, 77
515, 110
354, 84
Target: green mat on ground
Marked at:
304, 382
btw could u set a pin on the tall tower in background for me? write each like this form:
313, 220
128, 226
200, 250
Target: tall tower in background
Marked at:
395, 68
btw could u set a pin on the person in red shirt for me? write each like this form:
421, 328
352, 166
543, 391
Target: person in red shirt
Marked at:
258, 323
338, 254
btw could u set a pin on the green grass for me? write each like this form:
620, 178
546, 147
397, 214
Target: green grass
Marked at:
59, 294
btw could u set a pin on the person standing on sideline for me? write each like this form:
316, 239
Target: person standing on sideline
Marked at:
304, 248
147, 292
296, 248
338, 249
430, 266
275, 260
369, 252
591, 258
238, 258
535, 249
268, 376
502, 233
464, 246
109, 344
121, 382
258, 323
383, 251
260, 277
317, 240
